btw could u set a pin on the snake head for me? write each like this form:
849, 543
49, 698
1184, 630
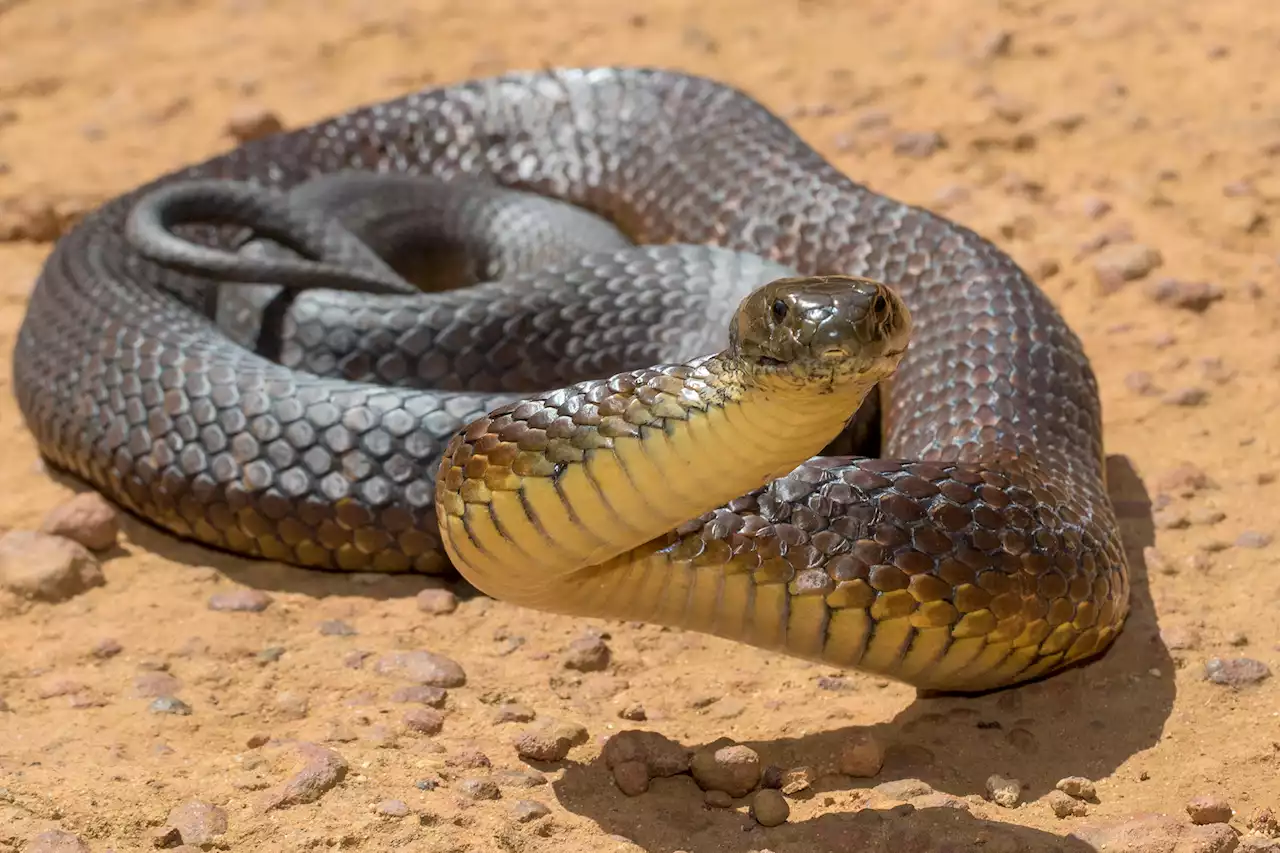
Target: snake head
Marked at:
820, 333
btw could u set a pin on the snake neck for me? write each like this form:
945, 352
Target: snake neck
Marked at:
563, 483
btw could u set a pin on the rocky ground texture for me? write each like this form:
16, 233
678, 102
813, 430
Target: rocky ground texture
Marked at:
154, 694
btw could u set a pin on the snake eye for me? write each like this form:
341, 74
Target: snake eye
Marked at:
779, 310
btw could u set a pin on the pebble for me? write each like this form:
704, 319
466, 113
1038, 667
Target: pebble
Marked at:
1125, 262
423, 667
422, 694
521, 778
1078, 787
631, 777
1065, 806
659, 754
861, 755
1265, 821
770, 808
903, 789
512, 712
336, 628
1207, 808
56, 841
793, 780
4, 706
166, 837
424, 721
242, 600
1194, 296
436, 601
320, 770
88, 518
1253, 539
392, 808
1141, 382
200, 824
634, 712
550, 741
170, 705
479, 789
1184, 481
42, 567
918, 145
525, 811
717, 799
1003, 791
107, 647
1187, 396
587, 654
150, 685
248, 122
1236, 672
733, 769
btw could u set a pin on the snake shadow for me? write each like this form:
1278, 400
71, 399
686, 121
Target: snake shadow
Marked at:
1086, 721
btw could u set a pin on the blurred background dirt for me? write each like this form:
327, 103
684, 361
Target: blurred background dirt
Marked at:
1127, 154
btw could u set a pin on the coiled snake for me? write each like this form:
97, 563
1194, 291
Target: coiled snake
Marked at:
977, 548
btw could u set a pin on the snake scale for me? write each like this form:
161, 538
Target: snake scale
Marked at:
977, 547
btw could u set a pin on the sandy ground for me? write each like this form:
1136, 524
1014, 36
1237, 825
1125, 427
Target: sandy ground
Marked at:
1127, 154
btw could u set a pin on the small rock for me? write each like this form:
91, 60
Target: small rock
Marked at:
634, 712
769, 807
1236, 672
918, 145
421, 694
88, 518
861, 755
1004, 792
336, 628
1257, 844
249, 122
1211, 838
588, 654
291, 706
550, 741
1141, 382
1078, 787
479, 789
732, 769
1253, 539
1194, 296
1123, 263
392, 808
1065, 806
424, 721
525, 811
107, 647
257, 740
512, 712
319, 770
1206, 808
150, 685
1187, 396
631, 777
661, 755
1094, 207
793, 780
170, 705
940, 800
56, 841
4, 706
1184, 481
1206, 516
903, 789
436, 601
166, 838
423, 668
1264, 821
522, 778
241, 600
717, 800
42, 567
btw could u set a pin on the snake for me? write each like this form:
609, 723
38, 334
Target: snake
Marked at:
645, 424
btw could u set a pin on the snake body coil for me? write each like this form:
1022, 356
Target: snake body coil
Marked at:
981, 551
